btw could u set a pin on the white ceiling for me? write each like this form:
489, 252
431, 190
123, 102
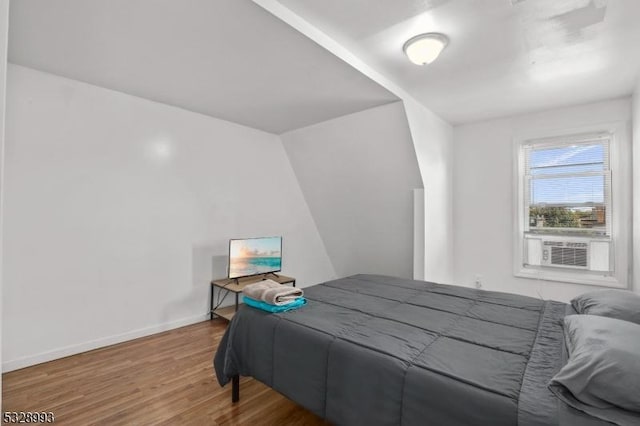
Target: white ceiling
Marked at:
504, 57
225, 58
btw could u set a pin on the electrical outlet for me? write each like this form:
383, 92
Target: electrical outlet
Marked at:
478, 281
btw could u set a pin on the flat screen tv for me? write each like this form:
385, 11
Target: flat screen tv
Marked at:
254, 256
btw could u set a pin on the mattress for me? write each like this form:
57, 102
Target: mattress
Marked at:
377, 350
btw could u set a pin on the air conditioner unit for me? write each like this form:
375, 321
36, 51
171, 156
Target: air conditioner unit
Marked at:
565, 254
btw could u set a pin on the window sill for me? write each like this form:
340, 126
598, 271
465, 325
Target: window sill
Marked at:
570, 277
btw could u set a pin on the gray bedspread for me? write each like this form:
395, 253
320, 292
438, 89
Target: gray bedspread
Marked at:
376, 350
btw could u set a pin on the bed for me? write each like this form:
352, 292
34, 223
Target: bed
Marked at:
377, 350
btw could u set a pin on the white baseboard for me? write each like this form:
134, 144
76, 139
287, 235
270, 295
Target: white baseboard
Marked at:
98, 343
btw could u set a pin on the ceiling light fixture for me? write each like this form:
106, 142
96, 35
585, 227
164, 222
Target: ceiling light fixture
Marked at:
425, 48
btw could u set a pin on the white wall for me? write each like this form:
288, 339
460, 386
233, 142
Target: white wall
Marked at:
484, 191
432, 138
4, 31
433, 144
357, 174
114, 207
636, 188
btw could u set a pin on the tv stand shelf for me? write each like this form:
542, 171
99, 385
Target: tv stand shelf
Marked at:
227, 312
236, 285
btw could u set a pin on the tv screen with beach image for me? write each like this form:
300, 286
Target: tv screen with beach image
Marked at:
254, 256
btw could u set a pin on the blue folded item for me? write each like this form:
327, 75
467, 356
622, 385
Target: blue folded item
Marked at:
259, 304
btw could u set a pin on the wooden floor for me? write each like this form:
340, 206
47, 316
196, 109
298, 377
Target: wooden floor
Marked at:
164, 379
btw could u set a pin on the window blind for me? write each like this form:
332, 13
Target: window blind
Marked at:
568, 187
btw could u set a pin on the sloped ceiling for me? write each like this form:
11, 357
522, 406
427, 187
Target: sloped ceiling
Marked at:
225, 58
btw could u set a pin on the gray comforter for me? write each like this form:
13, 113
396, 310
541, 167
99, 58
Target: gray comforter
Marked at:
375, 350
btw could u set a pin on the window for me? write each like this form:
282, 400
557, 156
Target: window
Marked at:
566, 212
568, 188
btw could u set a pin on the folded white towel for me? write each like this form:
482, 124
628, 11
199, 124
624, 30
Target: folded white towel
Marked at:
272, 292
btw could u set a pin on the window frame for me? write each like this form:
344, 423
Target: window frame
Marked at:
619, 196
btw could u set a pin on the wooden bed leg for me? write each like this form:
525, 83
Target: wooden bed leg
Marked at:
235, 388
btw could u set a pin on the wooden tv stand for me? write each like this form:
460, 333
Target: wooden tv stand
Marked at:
236, 285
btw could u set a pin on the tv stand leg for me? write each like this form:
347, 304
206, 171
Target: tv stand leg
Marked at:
211, 303
235, 388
